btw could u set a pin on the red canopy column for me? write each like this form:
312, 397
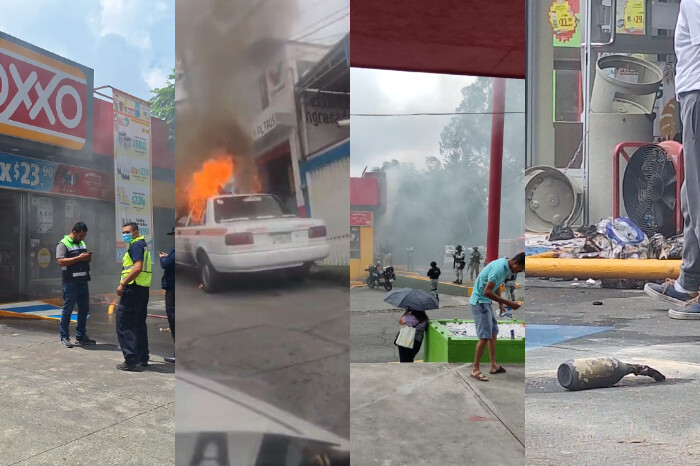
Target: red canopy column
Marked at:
496, 169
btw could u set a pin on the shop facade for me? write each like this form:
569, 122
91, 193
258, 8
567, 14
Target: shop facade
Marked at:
57, 168
323, 110
277, 149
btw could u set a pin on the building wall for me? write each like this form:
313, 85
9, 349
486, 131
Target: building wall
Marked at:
332, 208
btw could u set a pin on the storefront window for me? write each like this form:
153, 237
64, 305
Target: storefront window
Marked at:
53, 217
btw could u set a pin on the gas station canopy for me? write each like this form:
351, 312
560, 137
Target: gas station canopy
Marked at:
464, 37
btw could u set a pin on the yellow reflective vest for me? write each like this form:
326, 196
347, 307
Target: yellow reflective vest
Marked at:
144, 278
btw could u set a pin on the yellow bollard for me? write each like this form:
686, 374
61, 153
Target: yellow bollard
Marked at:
640, 269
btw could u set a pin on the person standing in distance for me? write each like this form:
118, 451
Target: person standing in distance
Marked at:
134, 289
74, 259
167, 262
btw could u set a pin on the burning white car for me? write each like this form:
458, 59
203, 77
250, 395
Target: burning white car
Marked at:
247, 233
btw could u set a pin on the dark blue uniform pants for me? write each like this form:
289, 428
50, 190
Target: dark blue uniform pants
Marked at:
131, 324
75, 293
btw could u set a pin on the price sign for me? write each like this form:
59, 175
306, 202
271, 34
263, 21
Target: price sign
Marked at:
563, 20
634, 16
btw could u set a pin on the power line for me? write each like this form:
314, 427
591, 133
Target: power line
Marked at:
431, 114
322, 27
301, 31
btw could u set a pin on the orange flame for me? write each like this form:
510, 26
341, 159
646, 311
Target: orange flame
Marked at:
215, 173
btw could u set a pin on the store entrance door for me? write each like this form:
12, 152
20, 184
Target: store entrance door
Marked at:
11, 270
278, 178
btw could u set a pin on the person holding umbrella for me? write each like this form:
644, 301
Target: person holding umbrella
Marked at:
415, 302
418, 320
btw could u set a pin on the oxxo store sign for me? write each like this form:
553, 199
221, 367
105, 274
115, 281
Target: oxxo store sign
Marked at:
44, 99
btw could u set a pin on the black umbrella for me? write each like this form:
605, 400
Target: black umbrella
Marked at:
416, 300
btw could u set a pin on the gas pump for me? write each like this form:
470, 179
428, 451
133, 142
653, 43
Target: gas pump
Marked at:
627, 63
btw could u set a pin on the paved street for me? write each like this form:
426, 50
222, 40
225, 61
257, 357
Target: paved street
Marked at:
281, 342
637, 422
435, 414
374, 323
76, 407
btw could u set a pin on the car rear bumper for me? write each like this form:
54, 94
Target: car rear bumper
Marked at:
259, 261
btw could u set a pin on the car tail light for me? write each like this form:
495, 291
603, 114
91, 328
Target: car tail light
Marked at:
239, 239
317, 232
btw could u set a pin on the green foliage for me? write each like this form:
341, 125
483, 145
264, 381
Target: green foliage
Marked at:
163, 105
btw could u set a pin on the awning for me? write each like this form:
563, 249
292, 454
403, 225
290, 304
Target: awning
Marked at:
466, 37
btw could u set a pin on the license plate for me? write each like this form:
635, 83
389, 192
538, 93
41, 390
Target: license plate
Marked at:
282, 239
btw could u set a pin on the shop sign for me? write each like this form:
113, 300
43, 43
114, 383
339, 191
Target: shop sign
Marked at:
44, 258
42, 99
29, 174
631, 20
322, 114
264, 127
132, 167
361, 219
563, 20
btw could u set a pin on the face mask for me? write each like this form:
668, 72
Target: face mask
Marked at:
127, 238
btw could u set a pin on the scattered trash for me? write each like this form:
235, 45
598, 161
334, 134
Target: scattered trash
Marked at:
611, 238
588, 373
665, 248
560, 233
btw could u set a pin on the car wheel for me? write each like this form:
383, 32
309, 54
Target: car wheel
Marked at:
298, 274
208, 276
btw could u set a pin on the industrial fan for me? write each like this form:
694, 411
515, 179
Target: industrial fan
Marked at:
651, 188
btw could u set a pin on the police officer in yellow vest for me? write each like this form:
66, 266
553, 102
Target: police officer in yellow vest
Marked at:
134, 291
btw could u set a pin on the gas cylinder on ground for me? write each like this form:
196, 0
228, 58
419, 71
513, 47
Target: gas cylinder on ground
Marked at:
587, 373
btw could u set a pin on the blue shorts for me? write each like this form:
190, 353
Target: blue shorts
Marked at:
484, 321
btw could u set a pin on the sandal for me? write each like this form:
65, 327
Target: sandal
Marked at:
500, 370
480, 377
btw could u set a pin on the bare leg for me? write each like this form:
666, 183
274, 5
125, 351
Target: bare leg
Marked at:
492, 351
480, 347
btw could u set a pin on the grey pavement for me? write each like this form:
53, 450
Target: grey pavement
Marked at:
374, 323
435, 414
283, 343
636, 422
72, 406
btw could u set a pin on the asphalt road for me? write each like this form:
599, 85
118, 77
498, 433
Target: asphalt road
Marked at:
281, 342
638, 421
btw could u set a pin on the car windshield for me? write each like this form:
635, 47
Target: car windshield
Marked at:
227, 209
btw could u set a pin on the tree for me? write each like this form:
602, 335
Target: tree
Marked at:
163, 105
447, 202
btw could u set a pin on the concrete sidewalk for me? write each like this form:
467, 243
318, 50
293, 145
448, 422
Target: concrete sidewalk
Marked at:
638, 421
72, 406
435, 414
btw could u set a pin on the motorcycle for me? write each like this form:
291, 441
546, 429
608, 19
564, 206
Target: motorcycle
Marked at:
380, 277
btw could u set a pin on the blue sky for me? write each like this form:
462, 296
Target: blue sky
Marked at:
129, 43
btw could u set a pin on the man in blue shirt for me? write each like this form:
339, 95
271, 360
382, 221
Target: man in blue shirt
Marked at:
487, 289
167, 261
